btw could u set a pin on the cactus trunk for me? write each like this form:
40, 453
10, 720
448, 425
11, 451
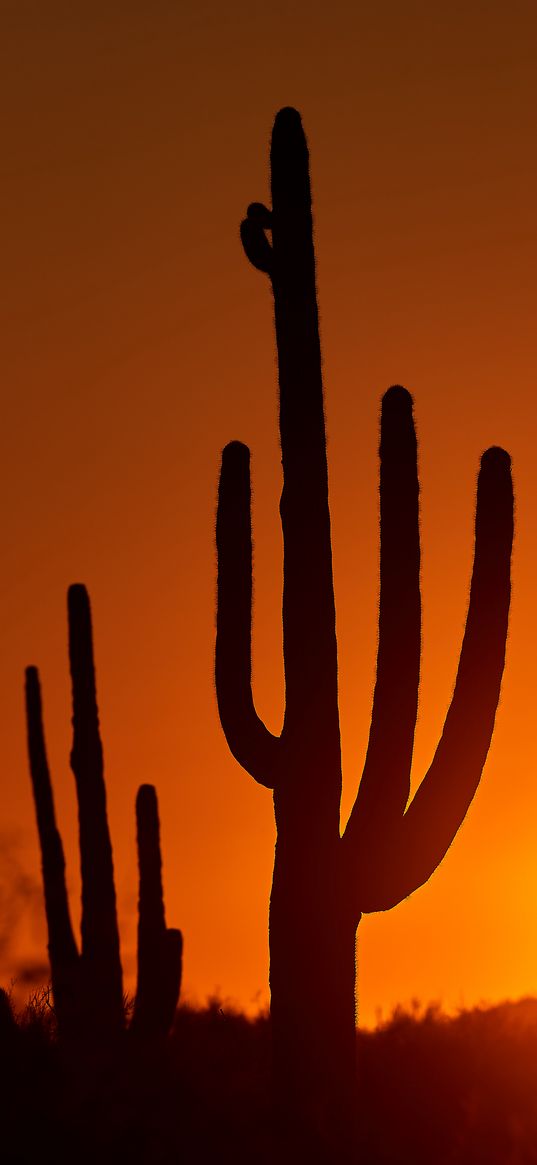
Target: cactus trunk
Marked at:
312, 936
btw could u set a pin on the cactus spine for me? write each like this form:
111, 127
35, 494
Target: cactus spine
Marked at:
87, 985
324, 881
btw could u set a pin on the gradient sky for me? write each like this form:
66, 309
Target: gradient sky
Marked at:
137, 340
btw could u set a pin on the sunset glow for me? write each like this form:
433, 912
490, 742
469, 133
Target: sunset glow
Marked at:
137, 342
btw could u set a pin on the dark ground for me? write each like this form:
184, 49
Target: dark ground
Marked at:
433, 1091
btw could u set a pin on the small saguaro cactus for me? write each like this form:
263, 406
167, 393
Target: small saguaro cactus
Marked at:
87, 985
323, 881
159, 947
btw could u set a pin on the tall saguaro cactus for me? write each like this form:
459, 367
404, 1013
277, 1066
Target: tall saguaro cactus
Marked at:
324, 881
87, 986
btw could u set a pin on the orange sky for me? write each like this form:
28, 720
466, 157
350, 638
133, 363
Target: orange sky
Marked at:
136, 341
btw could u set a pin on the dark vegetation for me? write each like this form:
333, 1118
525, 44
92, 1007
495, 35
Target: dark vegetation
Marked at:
432, 1091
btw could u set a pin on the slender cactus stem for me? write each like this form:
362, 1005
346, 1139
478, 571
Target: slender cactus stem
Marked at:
159, 950
100, 935
62, 948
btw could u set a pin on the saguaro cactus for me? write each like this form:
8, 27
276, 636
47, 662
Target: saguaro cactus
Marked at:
87, 986
323, 881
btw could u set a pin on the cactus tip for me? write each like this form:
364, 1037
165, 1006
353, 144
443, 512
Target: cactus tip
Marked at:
397, 423
496, 460
288, 138
259, 214
77, 591
77, 600
146, 799
235, 454
288, 117
397, 399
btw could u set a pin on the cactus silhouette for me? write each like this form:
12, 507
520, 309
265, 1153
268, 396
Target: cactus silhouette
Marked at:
159, 947
88, 986
324, 880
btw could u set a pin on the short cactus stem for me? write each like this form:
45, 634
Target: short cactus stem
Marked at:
159, 949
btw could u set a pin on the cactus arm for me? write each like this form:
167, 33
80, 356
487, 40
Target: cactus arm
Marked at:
254, 240
252, 745
100, 937
62, 947
159, 949
407, 857
385, 785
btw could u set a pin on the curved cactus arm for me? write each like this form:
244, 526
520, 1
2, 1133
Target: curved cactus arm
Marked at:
62, 946
409, 854
254, 240
159, 955
100, 936
252, 745
385, 784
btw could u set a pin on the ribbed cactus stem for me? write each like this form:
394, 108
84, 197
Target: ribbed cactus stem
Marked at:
159, 949
62, 948
99, 928
324, 881
385, 784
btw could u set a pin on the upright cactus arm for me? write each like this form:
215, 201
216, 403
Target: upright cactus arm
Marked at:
252, 745
159, 948
389, 867
100, 936
62, 947
385, 785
